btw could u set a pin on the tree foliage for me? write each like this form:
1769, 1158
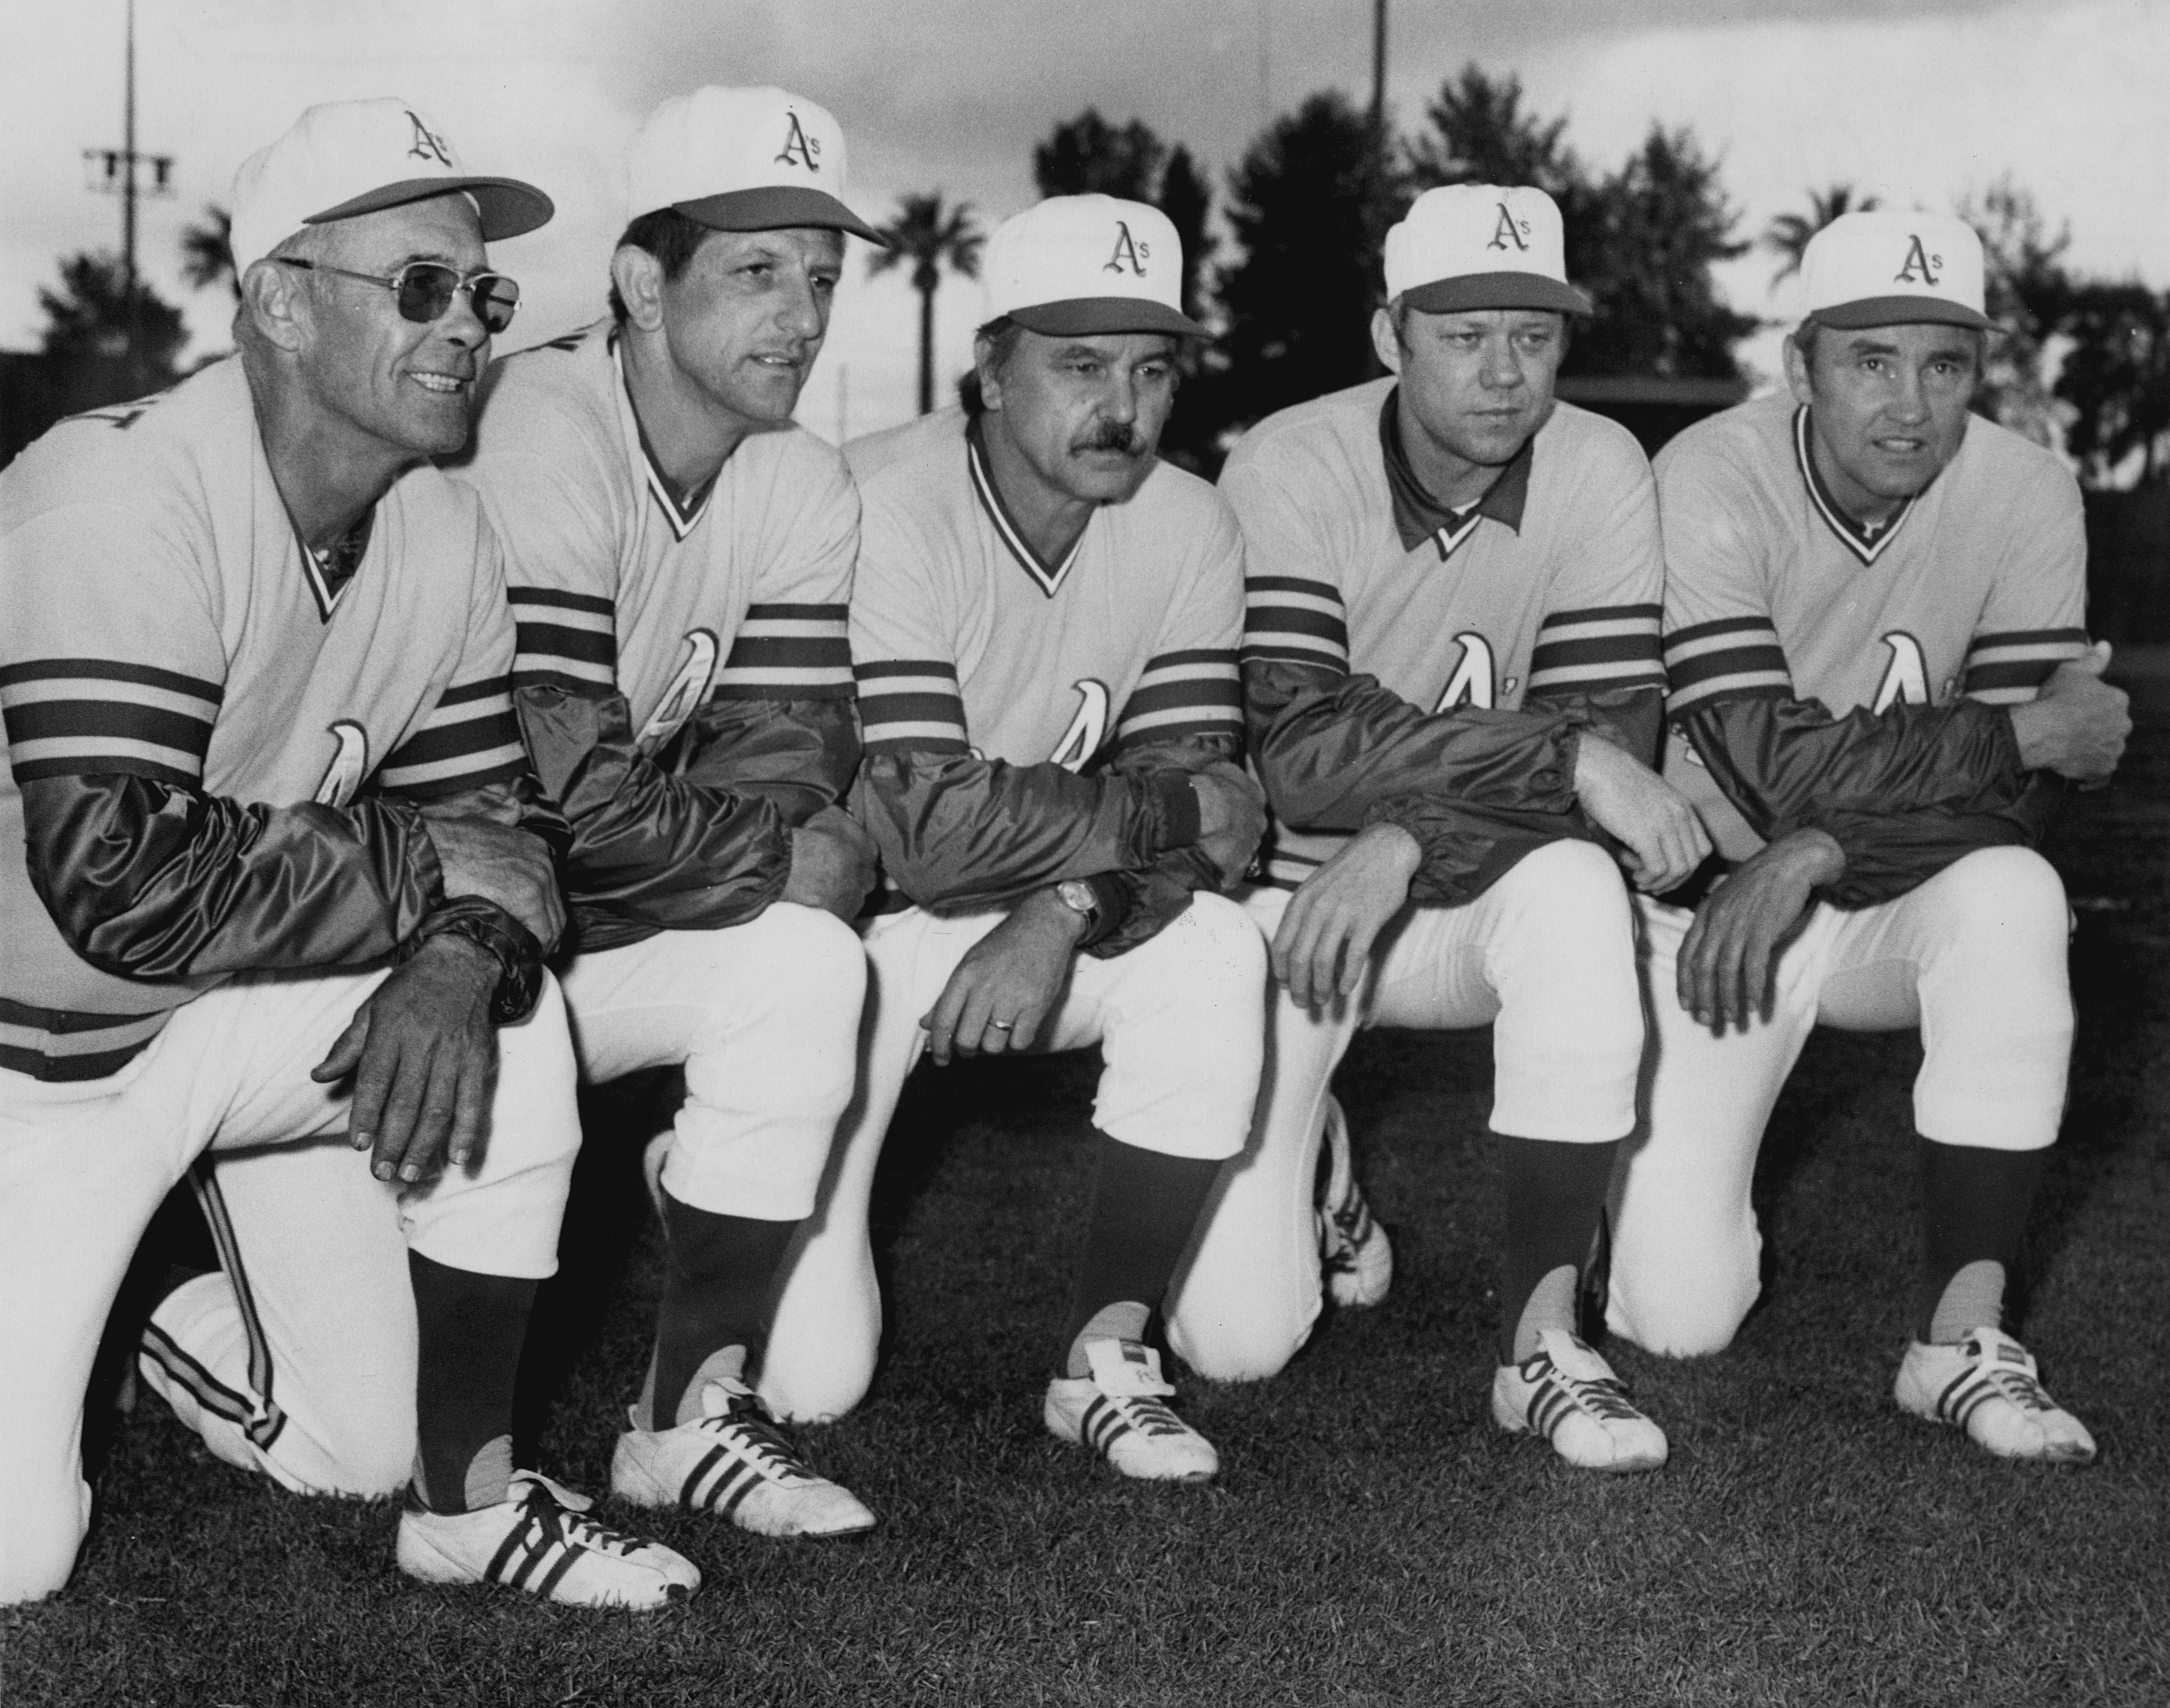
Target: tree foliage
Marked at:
1310, 204
102, 344
2027, 292
1788, 235
928, 236
2116, 376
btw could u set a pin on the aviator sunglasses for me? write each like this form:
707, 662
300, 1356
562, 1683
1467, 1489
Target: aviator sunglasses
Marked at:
424, 290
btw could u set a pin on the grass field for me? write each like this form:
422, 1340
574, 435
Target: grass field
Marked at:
1372, 1539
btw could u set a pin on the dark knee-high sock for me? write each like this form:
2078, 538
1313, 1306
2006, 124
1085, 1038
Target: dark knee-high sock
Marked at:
1975, 1203
716, 1293
1144, 1208
1555, 1192
469, 1331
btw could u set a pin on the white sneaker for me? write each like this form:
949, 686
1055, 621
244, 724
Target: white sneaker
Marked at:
1567, 1394
1353, 1252
1117, 1412
733, 1460
1986, 1385
537, 1539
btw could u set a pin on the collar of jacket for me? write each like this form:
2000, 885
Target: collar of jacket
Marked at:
1419, 516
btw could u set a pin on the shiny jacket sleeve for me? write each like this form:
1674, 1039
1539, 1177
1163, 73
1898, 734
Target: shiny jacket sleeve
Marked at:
956, 830
1335, 748
682, 820
113, 672
1787, 762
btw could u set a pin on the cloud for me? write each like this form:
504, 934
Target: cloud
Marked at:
1940, 95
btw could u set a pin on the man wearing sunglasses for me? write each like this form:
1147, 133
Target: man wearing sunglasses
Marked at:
680, 559
271, 882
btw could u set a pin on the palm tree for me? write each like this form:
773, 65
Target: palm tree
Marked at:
1788, 236
930, 236
207, 251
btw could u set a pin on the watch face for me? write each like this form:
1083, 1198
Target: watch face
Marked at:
1076, 896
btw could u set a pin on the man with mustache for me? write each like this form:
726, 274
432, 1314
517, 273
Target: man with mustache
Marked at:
272, 883
680, 555
1450, 668
1879, 676
1044, 630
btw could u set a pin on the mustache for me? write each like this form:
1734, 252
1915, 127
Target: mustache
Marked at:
1112, 436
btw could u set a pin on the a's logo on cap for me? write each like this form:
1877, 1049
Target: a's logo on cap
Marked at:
427, 144
1917, 256
1127, 249
1507, 229
799, 148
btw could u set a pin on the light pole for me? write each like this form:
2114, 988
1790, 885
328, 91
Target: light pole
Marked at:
113, 172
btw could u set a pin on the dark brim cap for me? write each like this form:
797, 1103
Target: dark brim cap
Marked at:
1466, 293
509, 208
774, 207
1900, 311
1090, 317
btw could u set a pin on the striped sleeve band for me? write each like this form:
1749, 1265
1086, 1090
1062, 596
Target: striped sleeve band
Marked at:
789, 652
1598, 650
1184, 694
2007, 668
77, 717
56, 1046
469, 739
1734, 657
563, 640
1295, 620
910, 704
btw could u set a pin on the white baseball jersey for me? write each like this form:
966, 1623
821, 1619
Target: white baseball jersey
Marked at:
1547, 587
963, 639
159, 618
1976, 586
620, 582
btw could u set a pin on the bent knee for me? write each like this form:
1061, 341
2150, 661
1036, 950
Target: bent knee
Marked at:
2004, 889
812, 953
1222, 941
1571, 892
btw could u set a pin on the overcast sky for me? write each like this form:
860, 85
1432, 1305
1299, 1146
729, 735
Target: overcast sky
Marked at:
1922, 100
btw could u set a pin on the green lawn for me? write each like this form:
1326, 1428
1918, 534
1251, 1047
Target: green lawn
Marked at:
1372, 1539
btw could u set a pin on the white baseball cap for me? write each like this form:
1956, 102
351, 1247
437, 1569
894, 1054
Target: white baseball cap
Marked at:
743, 160
1883, 268
1074, 266
350, 158
1468, 246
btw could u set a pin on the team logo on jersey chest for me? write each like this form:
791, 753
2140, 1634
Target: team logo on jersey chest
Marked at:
1473, 682
687, 690
349, 764
1087, 730
1905, 677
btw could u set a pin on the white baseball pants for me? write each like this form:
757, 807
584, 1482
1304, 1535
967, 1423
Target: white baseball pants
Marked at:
1177, 1022
314, 1383
766, 1017
1546, 956
1975, 957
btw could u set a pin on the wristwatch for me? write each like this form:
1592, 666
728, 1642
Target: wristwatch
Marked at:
1076, 895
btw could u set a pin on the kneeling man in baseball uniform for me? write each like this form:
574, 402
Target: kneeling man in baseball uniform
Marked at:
1451, 673
270, 889
1044, 630
1878, 677
680, 556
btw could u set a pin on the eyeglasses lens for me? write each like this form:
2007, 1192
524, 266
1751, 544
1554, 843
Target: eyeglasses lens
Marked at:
426, 290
